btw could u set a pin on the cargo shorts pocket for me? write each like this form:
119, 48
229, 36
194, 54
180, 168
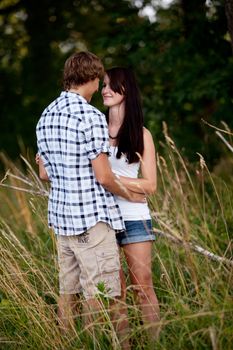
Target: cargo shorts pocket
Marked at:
107, 260
109, 266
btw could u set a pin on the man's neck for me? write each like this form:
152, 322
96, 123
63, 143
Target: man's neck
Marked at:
80, 90
85, 90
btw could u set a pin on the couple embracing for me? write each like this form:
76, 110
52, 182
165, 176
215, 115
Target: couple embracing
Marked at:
97, 202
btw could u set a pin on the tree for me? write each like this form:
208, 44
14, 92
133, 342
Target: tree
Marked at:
183, 62
229, 15
192, 75
36, 38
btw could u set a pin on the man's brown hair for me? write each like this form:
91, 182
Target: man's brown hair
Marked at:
80, 68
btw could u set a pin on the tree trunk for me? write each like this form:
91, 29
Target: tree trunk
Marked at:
229, 15
193, 14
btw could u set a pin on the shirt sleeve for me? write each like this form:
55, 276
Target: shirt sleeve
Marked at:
96, 135
42, 151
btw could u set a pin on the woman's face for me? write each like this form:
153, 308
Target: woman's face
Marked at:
110, 98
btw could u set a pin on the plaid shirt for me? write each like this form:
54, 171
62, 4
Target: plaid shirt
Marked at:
71, 133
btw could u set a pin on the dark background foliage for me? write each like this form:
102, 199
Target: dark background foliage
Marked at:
183, 62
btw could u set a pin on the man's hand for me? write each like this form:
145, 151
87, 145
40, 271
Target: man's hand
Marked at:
111, 182
137, 197
130, 195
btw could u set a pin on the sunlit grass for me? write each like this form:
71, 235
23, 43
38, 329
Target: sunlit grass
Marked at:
192, 207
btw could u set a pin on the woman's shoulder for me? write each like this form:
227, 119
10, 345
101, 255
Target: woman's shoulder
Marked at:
148, 141
147, 134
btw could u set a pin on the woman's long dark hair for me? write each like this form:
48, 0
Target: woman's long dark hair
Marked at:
130, 135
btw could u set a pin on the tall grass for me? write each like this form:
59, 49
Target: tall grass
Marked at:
192, 207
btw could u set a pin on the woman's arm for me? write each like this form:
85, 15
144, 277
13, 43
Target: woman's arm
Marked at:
42, 171
148, 183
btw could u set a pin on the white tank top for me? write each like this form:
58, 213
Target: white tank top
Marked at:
129, 210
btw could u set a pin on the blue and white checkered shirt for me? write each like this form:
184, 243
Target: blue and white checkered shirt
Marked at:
71, 133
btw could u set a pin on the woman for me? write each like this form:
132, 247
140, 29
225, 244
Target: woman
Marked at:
132, 149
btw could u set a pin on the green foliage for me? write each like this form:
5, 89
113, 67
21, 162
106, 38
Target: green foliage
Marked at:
183, 63
192, 204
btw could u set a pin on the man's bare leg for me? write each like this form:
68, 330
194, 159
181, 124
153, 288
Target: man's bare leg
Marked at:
68, 309
120, 321
94, 312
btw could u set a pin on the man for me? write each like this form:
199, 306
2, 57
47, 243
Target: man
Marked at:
72, 139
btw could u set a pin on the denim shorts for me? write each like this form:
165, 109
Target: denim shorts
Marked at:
136, 231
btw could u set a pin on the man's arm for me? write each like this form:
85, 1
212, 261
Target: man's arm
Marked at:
110, 182
104, 176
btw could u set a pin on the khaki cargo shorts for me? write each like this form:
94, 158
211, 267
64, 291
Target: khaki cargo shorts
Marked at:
88, 260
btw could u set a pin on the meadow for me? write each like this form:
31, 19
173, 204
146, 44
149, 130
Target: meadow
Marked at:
192, 261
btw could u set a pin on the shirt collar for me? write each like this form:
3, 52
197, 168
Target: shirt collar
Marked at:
72, 94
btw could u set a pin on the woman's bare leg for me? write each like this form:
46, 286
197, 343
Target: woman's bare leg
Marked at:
138, 257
